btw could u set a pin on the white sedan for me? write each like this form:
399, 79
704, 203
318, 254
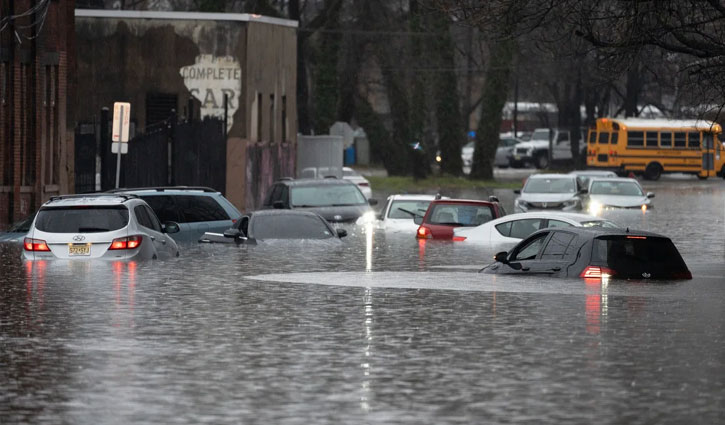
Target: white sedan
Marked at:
362, 183
515, 227
399, 211
616, 193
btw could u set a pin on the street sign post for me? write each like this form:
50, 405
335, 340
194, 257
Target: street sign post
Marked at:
119, 134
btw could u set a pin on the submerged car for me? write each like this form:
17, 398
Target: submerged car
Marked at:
268, 225
16, 233
195, 209
337, 200
616, 193
346, 173
99, 226
400, 210
512, 228
593, 253
444, 215
549, 192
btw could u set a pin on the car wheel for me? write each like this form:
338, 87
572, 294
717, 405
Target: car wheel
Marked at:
653, 171
542, 160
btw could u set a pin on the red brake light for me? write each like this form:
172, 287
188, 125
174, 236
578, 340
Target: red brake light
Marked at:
364, 184
596, 272
130, 242
636, 237
424, 233
35, 245
459, 238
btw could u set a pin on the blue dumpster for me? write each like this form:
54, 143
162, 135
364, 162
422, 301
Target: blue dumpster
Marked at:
349, 158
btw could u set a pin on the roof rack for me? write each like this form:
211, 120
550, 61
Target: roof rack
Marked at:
125, 196
163, 188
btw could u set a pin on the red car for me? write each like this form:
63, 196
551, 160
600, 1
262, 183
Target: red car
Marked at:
444, 215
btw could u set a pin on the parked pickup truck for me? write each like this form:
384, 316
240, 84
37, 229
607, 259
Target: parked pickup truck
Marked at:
536, 151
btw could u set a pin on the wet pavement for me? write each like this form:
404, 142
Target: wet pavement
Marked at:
374, 329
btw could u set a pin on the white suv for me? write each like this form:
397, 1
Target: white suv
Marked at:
104, 226
536, 150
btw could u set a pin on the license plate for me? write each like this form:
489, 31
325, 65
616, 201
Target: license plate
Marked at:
79, 249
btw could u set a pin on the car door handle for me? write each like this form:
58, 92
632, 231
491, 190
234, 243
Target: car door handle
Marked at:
556, 269
524, 269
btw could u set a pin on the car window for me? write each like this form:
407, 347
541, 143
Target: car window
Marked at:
164, 207
289, 227
630, 254
142, 217
326, 195
408, 209
531, 249
152, 218
22, 226
82, 219
460, 214
557, 245
562, 137
504, 228
550, 185
199, 208
523, 228
558, 223
599, 223
626, 188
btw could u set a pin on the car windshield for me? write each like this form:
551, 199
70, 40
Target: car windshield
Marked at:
326, 195
615, 188
285, 226
630, 256
82, 219
460, 214
550, 185
408, 209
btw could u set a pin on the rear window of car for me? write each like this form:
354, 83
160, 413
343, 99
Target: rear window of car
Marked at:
289, 227
82, 219
634, 255
460, 214
186, 208
326, 195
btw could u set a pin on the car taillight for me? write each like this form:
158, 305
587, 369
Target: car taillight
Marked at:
459, 238
130, 242
682, 275
364, 184
424, 233
594, 272
35, 245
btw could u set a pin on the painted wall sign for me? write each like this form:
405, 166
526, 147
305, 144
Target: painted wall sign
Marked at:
209, 79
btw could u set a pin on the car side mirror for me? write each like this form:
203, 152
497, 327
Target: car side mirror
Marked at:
418, 219
517, 191
372, 201
279, 205
650, 195
493, 199
341, 233
170, 227
501, 257
232, 233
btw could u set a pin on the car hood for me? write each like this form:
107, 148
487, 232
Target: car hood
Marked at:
532, 144
547, 197
619, 200
338, 214
12, 237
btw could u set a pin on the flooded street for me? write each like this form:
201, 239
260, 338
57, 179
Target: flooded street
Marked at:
374, 329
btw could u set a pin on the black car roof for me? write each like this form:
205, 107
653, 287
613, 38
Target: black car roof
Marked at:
604, 231
282, 212
316, 182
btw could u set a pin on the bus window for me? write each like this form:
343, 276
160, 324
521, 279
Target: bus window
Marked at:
680, 141
693, 141
593, 136
666, 139
635, 138
603, 138
651, 139
615, 137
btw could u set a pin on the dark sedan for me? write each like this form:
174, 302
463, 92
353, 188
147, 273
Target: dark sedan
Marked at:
593, 253
337, 200
267, 225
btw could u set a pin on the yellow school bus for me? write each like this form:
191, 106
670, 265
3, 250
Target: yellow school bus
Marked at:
654, 146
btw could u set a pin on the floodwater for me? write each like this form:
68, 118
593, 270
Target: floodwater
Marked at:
376, 329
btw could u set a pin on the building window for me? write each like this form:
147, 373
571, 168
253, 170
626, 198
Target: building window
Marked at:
159, 107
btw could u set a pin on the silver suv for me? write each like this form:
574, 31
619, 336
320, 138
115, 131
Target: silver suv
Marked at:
98, 226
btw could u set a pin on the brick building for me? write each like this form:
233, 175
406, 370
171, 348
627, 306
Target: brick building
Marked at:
36, 49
